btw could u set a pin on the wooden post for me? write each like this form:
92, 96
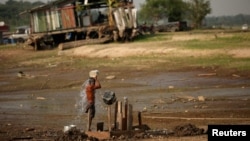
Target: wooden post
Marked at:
139, 118
130, 117
115, 115
109, 117
119, 115
125, 114
89, 120
36, 46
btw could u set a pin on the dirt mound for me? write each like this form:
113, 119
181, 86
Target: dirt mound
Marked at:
141, 49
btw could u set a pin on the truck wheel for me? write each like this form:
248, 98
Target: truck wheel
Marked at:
93, 35
20, 40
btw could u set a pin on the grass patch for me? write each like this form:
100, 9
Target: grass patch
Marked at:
219, 60
236, 40
242, 64
154, 37
7, 47
196, 44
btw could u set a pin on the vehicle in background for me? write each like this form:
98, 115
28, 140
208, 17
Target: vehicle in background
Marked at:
169, 27
244, 27
164, 25
20, 35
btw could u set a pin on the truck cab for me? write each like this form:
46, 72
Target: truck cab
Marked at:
21, 34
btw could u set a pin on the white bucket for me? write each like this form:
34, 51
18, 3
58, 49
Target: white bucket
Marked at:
68, 128
93, 73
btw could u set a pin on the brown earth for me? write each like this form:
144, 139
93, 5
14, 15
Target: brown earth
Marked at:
39, 103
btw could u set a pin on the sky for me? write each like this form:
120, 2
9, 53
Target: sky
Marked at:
219, 7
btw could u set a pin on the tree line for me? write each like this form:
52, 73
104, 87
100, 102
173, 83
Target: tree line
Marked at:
10, 12
193, 11
175, 10
229, 21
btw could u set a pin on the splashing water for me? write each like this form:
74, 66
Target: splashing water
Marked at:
81, 103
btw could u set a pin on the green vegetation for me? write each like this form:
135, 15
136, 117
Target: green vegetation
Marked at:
231, 42
158, 9
175, 10
216, 48
155, 37
10, 12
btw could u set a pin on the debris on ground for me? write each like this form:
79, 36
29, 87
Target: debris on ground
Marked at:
74, 134
187, 130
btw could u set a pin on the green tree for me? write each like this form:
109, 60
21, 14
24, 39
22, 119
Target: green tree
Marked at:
197, 11
158, 9
9, 12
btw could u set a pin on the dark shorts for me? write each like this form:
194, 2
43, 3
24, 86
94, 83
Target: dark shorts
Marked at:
90, 107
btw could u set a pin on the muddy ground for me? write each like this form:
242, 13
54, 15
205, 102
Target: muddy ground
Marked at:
175, 105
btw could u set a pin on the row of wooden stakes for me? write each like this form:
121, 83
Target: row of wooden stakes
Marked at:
123, 116
122, 119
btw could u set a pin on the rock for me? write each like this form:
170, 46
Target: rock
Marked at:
20, 74
170, 87
40, 98
201, 98
110, 77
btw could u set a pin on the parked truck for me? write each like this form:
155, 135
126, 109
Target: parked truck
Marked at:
164, 25
172, 26
20, 35
71, 23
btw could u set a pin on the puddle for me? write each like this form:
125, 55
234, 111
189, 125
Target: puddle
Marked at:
3, 83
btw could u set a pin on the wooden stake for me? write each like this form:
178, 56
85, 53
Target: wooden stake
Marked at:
119, 115
125, 114
109, 117
89, 120
115, 115
130, 117
139, 118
